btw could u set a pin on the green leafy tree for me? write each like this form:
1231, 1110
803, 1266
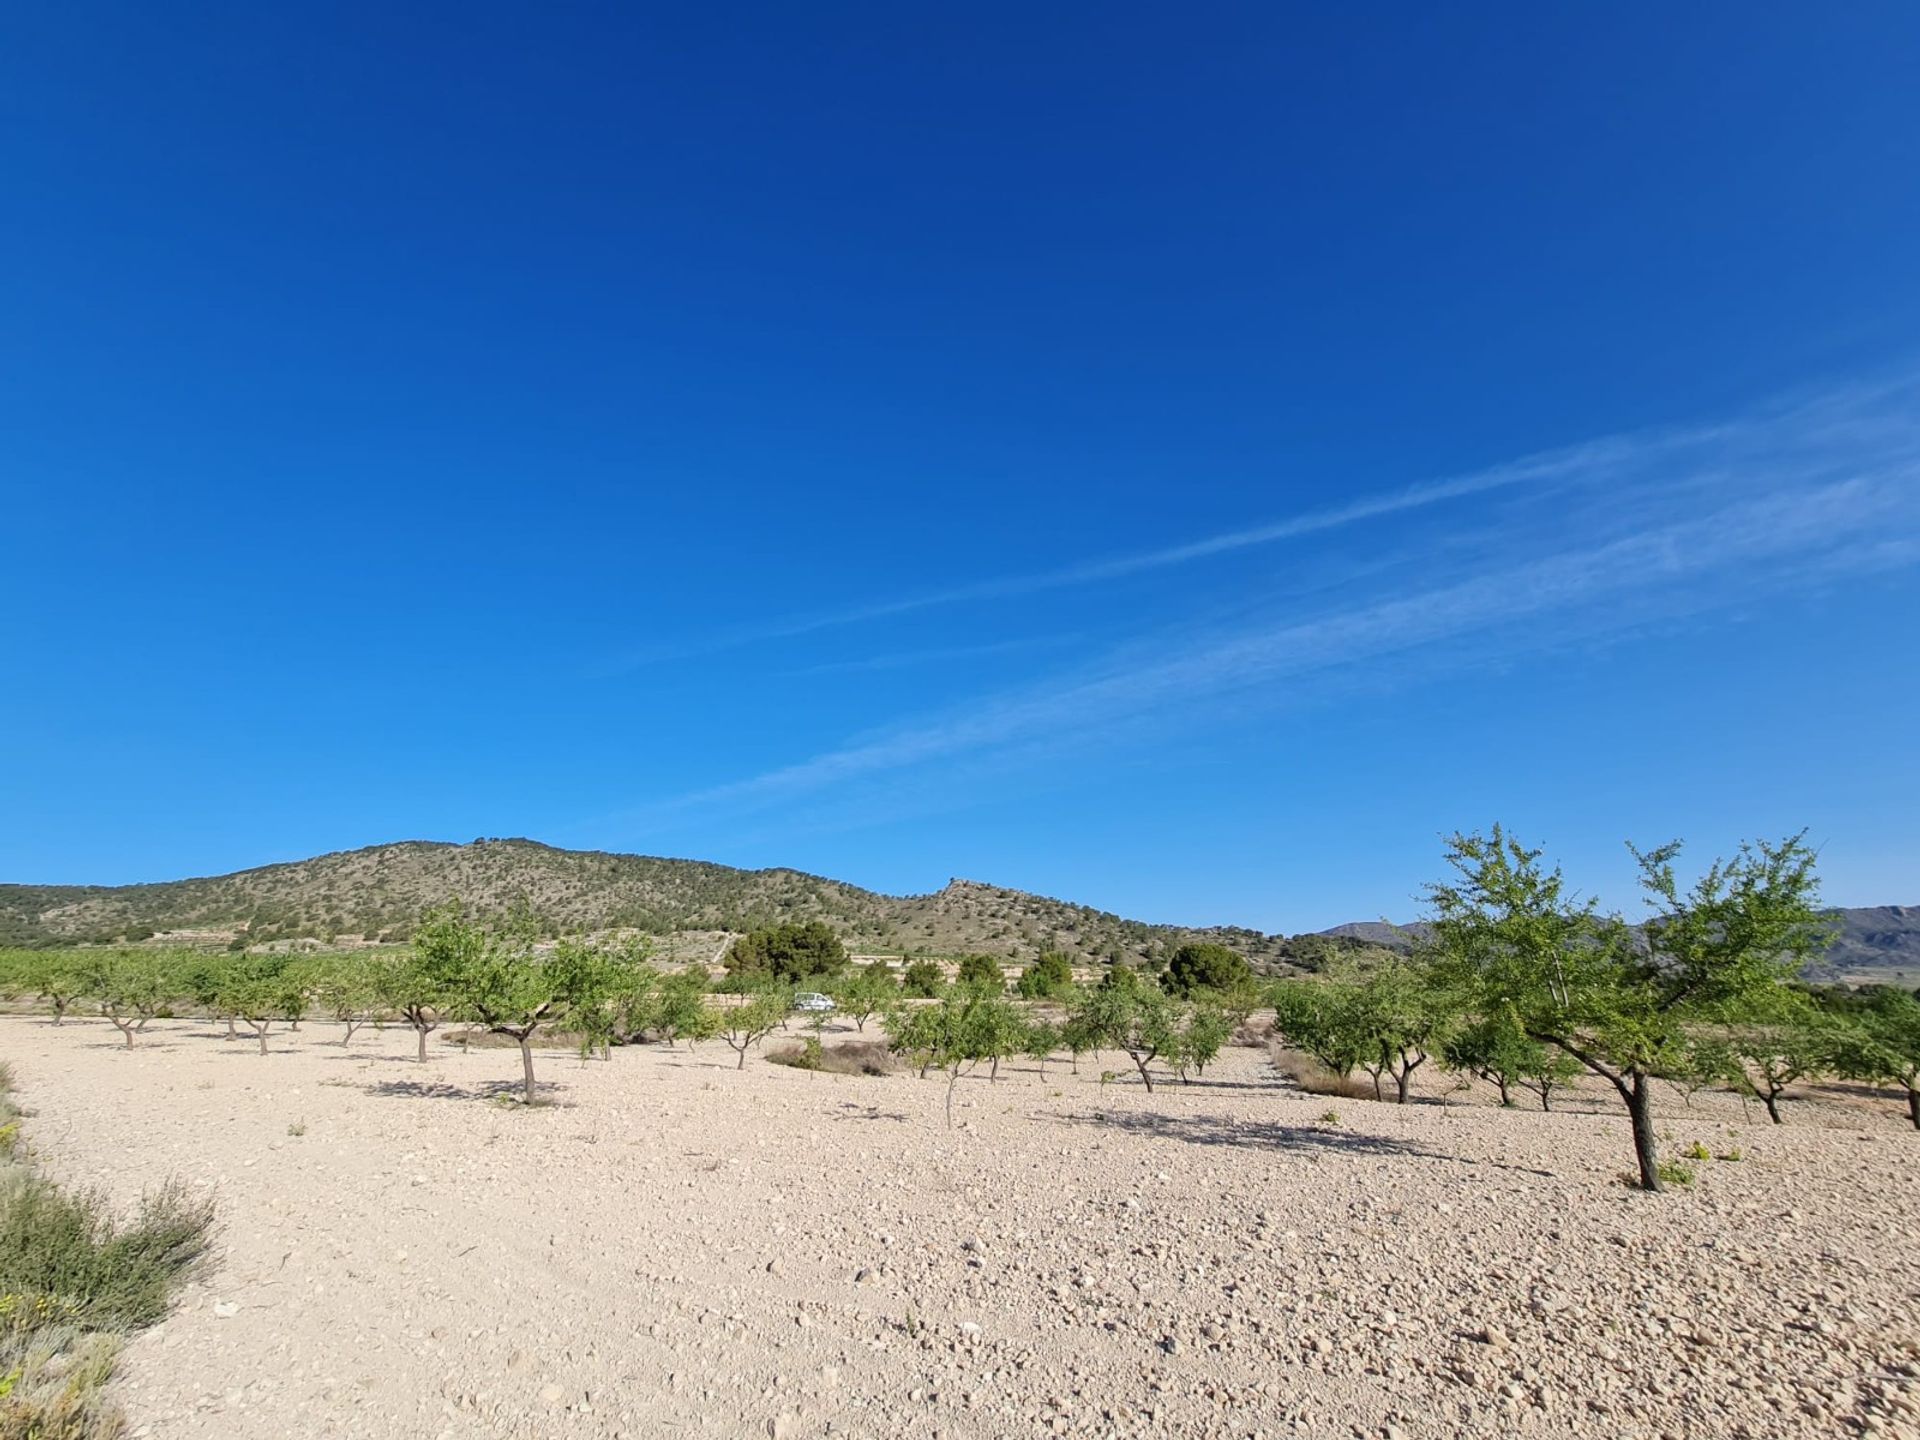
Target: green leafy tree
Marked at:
1493, 1048
1399, 1014
1313, 1016
1626, 1005
131, 988
865, 991
1879, 1041
418, 988
1132, 1016
757, 1015
1203, 965
683, 1012
55, 979
1210, 1024
497, 977
343, 986
787, 954
963, 1027
1040, 1040
1776, 1046
260, 989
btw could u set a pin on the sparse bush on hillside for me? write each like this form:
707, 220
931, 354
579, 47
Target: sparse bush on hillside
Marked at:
1048, 977
1202, 966
921, 980
976, 971
787, 954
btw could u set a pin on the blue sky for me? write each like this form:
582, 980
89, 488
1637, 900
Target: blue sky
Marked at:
1182, 459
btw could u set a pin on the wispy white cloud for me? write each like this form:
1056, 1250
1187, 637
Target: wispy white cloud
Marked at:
939, 655
1759, 545
1591, 462
1816, 494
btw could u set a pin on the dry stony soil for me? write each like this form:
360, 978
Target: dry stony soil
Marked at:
676, 1247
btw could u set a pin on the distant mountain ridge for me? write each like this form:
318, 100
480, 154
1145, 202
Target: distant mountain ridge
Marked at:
376, 893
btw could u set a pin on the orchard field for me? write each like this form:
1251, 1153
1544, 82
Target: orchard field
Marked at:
674, 1245
1547, 1173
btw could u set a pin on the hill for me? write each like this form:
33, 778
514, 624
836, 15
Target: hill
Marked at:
376, 894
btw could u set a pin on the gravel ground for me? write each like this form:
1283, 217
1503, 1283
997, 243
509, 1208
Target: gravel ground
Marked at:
674, 1247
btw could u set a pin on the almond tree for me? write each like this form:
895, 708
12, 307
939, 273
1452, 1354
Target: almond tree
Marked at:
865, 992
344, 987
497, 977
1128, 1015
55, 979
955, 1033
130, 989
260, 989
1627, 1005
757, 1014
1879, 1041
417, 990
1764, 1054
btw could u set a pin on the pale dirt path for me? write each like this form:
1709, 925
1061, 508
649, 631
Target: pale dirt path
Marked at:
1206, 1261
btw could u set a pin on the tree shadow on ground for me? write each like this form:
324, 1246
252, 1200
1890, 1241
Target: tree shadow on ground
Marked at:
870, 1112
494, 1091
1271, 1135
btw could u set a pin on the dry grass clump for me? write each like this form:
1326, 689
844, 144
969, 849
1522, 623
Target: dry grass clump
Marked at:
1313, 1077
72, 1282
849, 1057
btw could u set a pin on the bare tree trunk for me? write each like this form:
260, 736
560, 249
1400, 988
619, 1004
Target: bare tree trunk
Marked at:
232, 1034
262, 1030
421, 1032
526, 1064
1639, 1098
126, 1030
1141, 1066
1913, 1107
1772, 1102
953, 1077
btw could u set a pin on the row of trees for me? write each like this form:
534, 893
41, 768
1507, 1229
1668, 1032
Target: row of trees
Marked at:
973, 1023
1525, 985
1516, 981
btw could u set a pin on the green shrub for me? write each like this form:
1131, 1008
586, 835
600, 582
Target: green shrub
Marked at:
66, 1248
921, 980
1200, 965
1048, 976
981, 970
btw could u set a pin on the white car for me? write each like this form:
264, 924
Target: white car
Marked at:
812, 1000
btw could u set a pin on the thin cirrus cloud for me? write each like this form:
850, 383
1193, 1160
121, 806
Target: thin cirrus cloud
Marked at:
1688, 522
1586, 463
